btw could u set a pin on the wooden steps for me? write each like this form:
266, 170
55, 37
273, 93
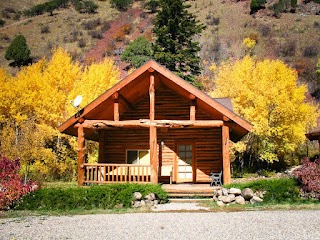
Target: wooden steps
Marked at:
186, 191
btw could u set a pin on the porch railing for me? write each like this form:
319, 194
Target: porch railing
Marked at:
113, 173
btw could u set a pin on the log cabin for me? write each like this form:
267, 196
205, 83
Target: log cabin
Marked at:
153, 126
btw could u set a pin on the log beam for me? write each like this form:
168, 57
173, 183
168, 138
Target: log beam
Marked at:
146, 123
193, 110
226, 155
116, 115
81, 155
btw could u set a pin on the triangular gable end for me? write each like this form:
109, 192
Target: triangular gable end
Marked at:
131, 90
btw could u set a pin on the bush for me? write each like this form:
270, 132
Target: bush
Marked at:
2, 22
45, 29
287, 49
82, 43
18, 51
91, 24
310, 51
96, 34
104, 197
256, 5
280, 190
309, 176
121, 5
152, 5
138, 52
11, 186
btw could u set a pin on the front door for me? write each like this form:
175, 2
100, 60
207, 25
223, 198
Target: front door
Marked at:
184, 163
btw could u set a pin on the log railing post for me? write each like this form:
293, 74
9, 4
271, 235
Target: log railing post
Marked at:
226, 155
153, 132
81, 155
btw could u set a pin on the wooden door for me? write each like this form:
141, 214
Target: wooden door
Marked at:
184, 163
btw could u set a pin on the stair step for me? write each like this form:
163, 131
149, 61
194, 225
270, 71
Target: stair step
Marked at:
190, 194
188, 200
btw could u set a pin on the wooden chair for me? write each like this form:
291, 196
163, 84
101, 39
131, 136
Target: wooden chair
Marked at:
216, 179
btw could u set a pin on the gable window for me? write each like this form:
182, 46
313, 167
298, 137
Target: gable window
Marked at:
138, 156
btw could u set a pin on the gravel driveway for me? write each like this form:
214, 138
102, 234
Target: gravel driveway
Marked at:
192, 225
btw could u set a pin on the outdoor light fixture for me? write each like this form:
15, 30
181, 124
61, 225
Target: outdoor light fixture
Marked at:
162, 144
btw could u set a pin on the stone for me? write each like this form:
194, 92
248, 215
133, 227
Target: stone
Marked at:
240, 200
155, 202
215, 198
150, 197
235, 191
224, 192
220, 204
259, 194
220, 198
219, 192
137, 204
143, 203
137, 196
228, 199
247, 193
255, 199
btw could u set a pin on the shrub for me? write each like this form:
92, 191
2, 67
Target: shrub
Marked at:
82, 43
152, 5
11, 186
96, 34
287, 49
256, 5
45, 29
310, 51
281, 190
91, 24
265, 31
105, 26
120, 34
309, 176
138, 52
89, 7
212, 20
316, 24
121, 5
18, 51
104, 197
2, 22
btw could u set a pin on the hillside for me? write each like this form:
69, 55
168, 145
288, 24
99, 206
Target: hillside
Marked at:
292, 37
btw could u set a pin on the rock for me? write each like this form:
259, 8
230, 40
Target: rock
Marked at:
155, 202
119, 205
260, 194
215, 198
143, 203
255, 199
235, 191
228, 199
219, 192
136, 204
137, 196
220, 203
247, 193
150, 197
220, 198
240, 200
224, 192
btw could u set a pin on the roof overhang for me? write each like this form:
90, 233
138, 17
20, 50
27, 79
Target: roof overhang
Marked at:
136, 85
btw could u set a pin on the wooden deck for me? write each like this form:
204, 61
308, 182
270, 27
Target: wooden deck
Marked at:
189, 190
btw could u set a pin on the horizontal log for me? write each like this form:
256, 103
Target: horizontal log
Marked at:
145, 123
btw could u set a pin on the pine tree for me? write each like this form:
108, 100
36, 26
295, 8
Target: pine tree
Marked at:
174, 46
18, 51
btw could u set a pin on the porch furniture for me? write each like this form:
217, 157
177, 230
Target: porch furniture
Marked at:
216, 179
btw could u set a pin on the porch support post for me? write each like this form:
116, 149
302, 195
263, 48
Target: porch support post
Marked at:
226, 155
81, 155
153, 132
116, 106
193, 110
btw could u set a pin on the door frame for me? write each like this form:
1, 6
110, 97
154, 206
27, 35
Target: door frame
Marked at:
175, 165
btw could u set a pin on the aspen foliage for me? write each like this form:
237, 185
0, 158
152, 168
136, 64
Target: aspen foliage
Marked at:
37, 100
267, 94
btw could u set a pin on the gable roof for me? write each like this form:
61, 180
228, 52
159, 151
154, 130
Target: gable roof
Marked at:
136, 85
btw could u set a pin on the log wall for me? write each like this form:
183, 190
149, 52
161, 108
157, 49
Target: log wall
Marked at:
207, 142
168, 106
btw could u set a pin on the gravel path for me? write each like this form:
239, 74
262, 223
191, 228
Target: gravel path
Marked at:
207, 225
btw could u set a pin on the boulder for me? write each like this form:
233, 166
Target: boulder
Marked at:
259, 194
247, 193
228, 199
136, 204
240, 200
235, 191
150, 197
219, 192
220, 204
220, 198
224, 192
137, 196
255, 199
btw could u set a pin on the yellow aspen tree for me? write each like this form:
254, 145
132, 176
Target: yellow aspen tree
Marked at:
267, 94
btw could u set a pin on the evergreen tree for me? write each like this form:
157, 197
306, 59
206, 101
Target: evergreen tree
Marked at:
18, 51
174, 47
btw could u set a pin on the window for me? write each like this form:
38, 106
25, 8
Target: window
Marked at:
138, 157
